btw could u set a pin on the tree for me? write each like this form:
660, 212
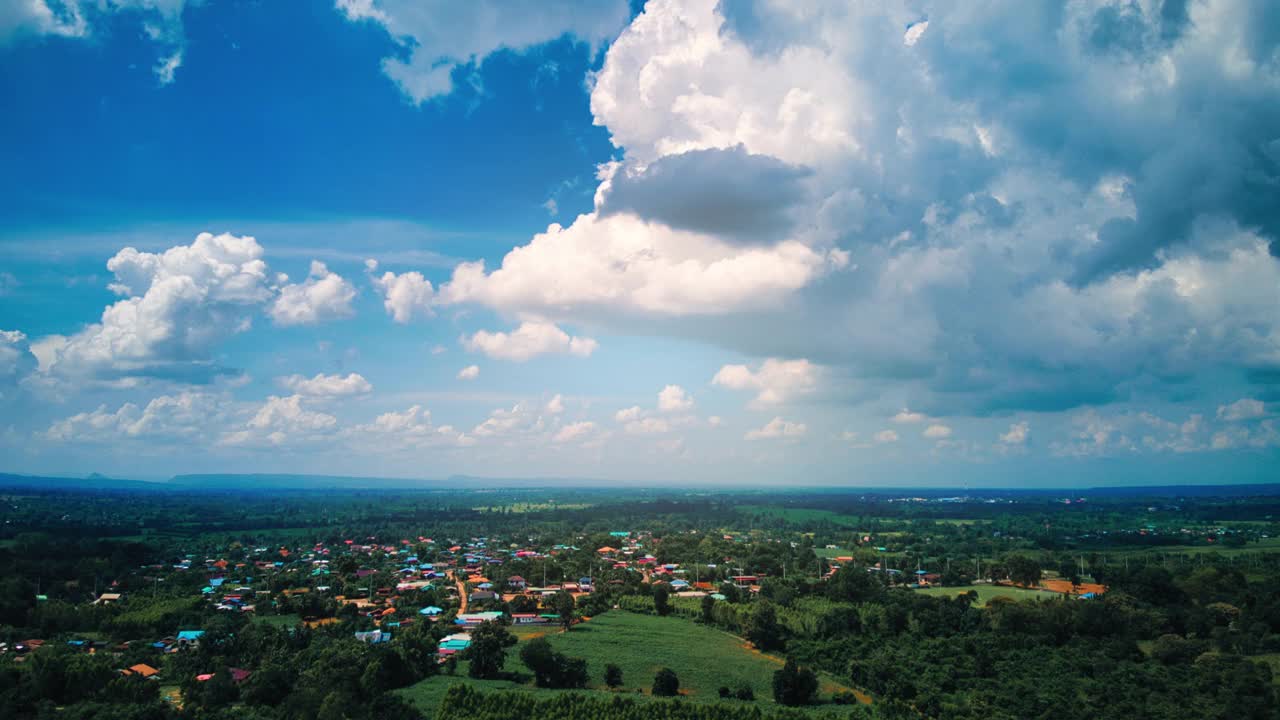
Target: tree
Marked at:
1023, 570
794, 685
662, 599
666, 683
488, 650
552, 669
564, 605
612, 675
708, 609
763, 629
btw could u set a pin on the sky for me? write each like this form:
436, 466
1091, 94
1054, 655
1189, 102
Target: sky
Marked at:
734, 242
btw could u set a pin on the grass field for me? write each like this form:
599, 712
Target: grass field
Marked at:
987, 592
284, 621
702, 657
800, 516
1262, 545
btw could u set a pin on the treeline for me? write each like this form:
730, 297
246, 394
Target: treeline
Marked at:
464, 703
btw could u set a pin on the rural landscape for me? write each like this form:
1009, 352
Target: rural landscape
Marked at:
120, 601
640, 360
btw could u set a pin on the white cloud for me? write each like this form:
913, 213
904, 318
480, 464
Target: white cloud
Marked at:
574, 431
406, 295
179, 304
647, 426
555, 405
885, 436
327, 385
914, 32
715, 421
905, 416
161, 22
623, 263
530, 339
407, 430
440, 38
777, 381
937, 431
520, 420
1242, 409
674, 398
280, 421
470, 372
186, 415
627, 415
1018, 434
777, 428
323, 296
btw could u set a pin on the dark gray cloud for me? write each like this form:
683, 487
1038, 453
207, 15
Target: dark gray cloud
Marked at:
726, 192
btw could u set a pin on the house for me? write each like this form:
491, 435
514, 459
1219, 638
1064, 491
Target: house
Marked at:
141, 670
107, 598
526, 619
516, 582
189, 638
477, 618
373, 637
482, 596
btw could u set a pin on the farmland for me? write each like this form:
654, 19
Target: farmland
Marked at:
704, 659
986, 593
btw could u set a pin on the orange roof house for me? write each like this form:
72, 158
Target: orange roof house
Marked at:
606, 550
142, 669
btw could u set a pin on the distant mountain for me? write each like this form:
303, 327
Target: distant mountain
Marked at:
268, 482
93, 482
300, 482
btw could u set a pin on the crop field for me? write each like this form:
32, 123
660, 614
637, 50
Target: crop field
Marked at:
702, 657
988, 592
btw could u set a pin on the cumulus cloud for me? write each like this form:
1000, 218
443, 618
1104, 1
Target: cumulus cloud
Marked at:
520, 420
1091, 236
777, 428
776, 381
577, 431
674, 398
646, 425
437, 39
627, 415
937, 431
906, 416
622, 262
1242, 409
178, 305
185, 415
282, 420
1018, 434
323, 296
17, 359
531, 339
885, 437
406, 295
470, 372
407, 430
327, 385
555, 405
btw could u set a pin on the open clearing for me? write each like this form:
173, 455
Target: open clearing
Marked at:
702, 657
987, 592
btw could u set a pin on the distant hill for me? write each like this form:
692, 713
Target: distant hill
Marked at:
284, 481
93, 482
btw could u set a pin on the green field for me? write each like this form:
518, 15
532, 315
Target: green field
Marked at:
799, 516
702, 657
1261, 545
987, 592
284, 621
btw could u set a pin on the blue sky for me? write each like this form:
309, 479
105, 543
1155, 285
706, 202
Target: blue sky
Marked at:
674, 242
